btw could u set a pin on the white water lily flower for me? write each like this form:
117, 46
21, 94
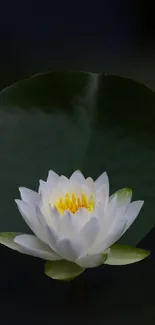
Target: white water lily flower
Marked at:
74, 219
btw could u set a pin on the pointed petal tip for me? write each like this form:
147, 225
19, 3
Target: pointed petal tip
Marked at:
52, 172
128, 190
102, 179
15, 239
52, 177
21, 188
77, 176
104, 174
20, 203
17, 201
124, 191
140, 203
76, 172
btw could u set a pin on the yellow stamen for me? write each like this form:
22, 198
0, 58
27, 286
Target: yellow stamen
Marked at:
73, 203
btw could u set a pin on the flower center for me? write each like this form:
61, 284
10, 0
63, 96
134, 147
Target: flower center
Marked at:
74, 203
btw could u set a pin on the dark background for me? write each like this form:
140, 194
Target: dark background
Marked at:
108, 36
113, 37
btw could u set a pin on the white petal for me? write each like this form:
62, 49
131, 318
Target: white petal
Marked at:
68, 249
29, 196
86, 190
70, 225
43, 223
117, 207
115, 232
52, 237
61, 186
102, 179
106, 221
29, 215
50, 226
88, 187
45, 194
83, 215
42, 186
90, 183
74, 187
90, 260
132, 212
57, 192
110, 214
62, 180
33, 246
40, 217
78, 177
55, 219
90, 231
101, 200
52, 178
101, 194
46, 188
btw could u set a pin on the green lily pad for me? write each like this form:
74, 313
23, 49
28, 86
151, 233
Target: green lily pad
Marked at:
75, 120
63, 270
122, 255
